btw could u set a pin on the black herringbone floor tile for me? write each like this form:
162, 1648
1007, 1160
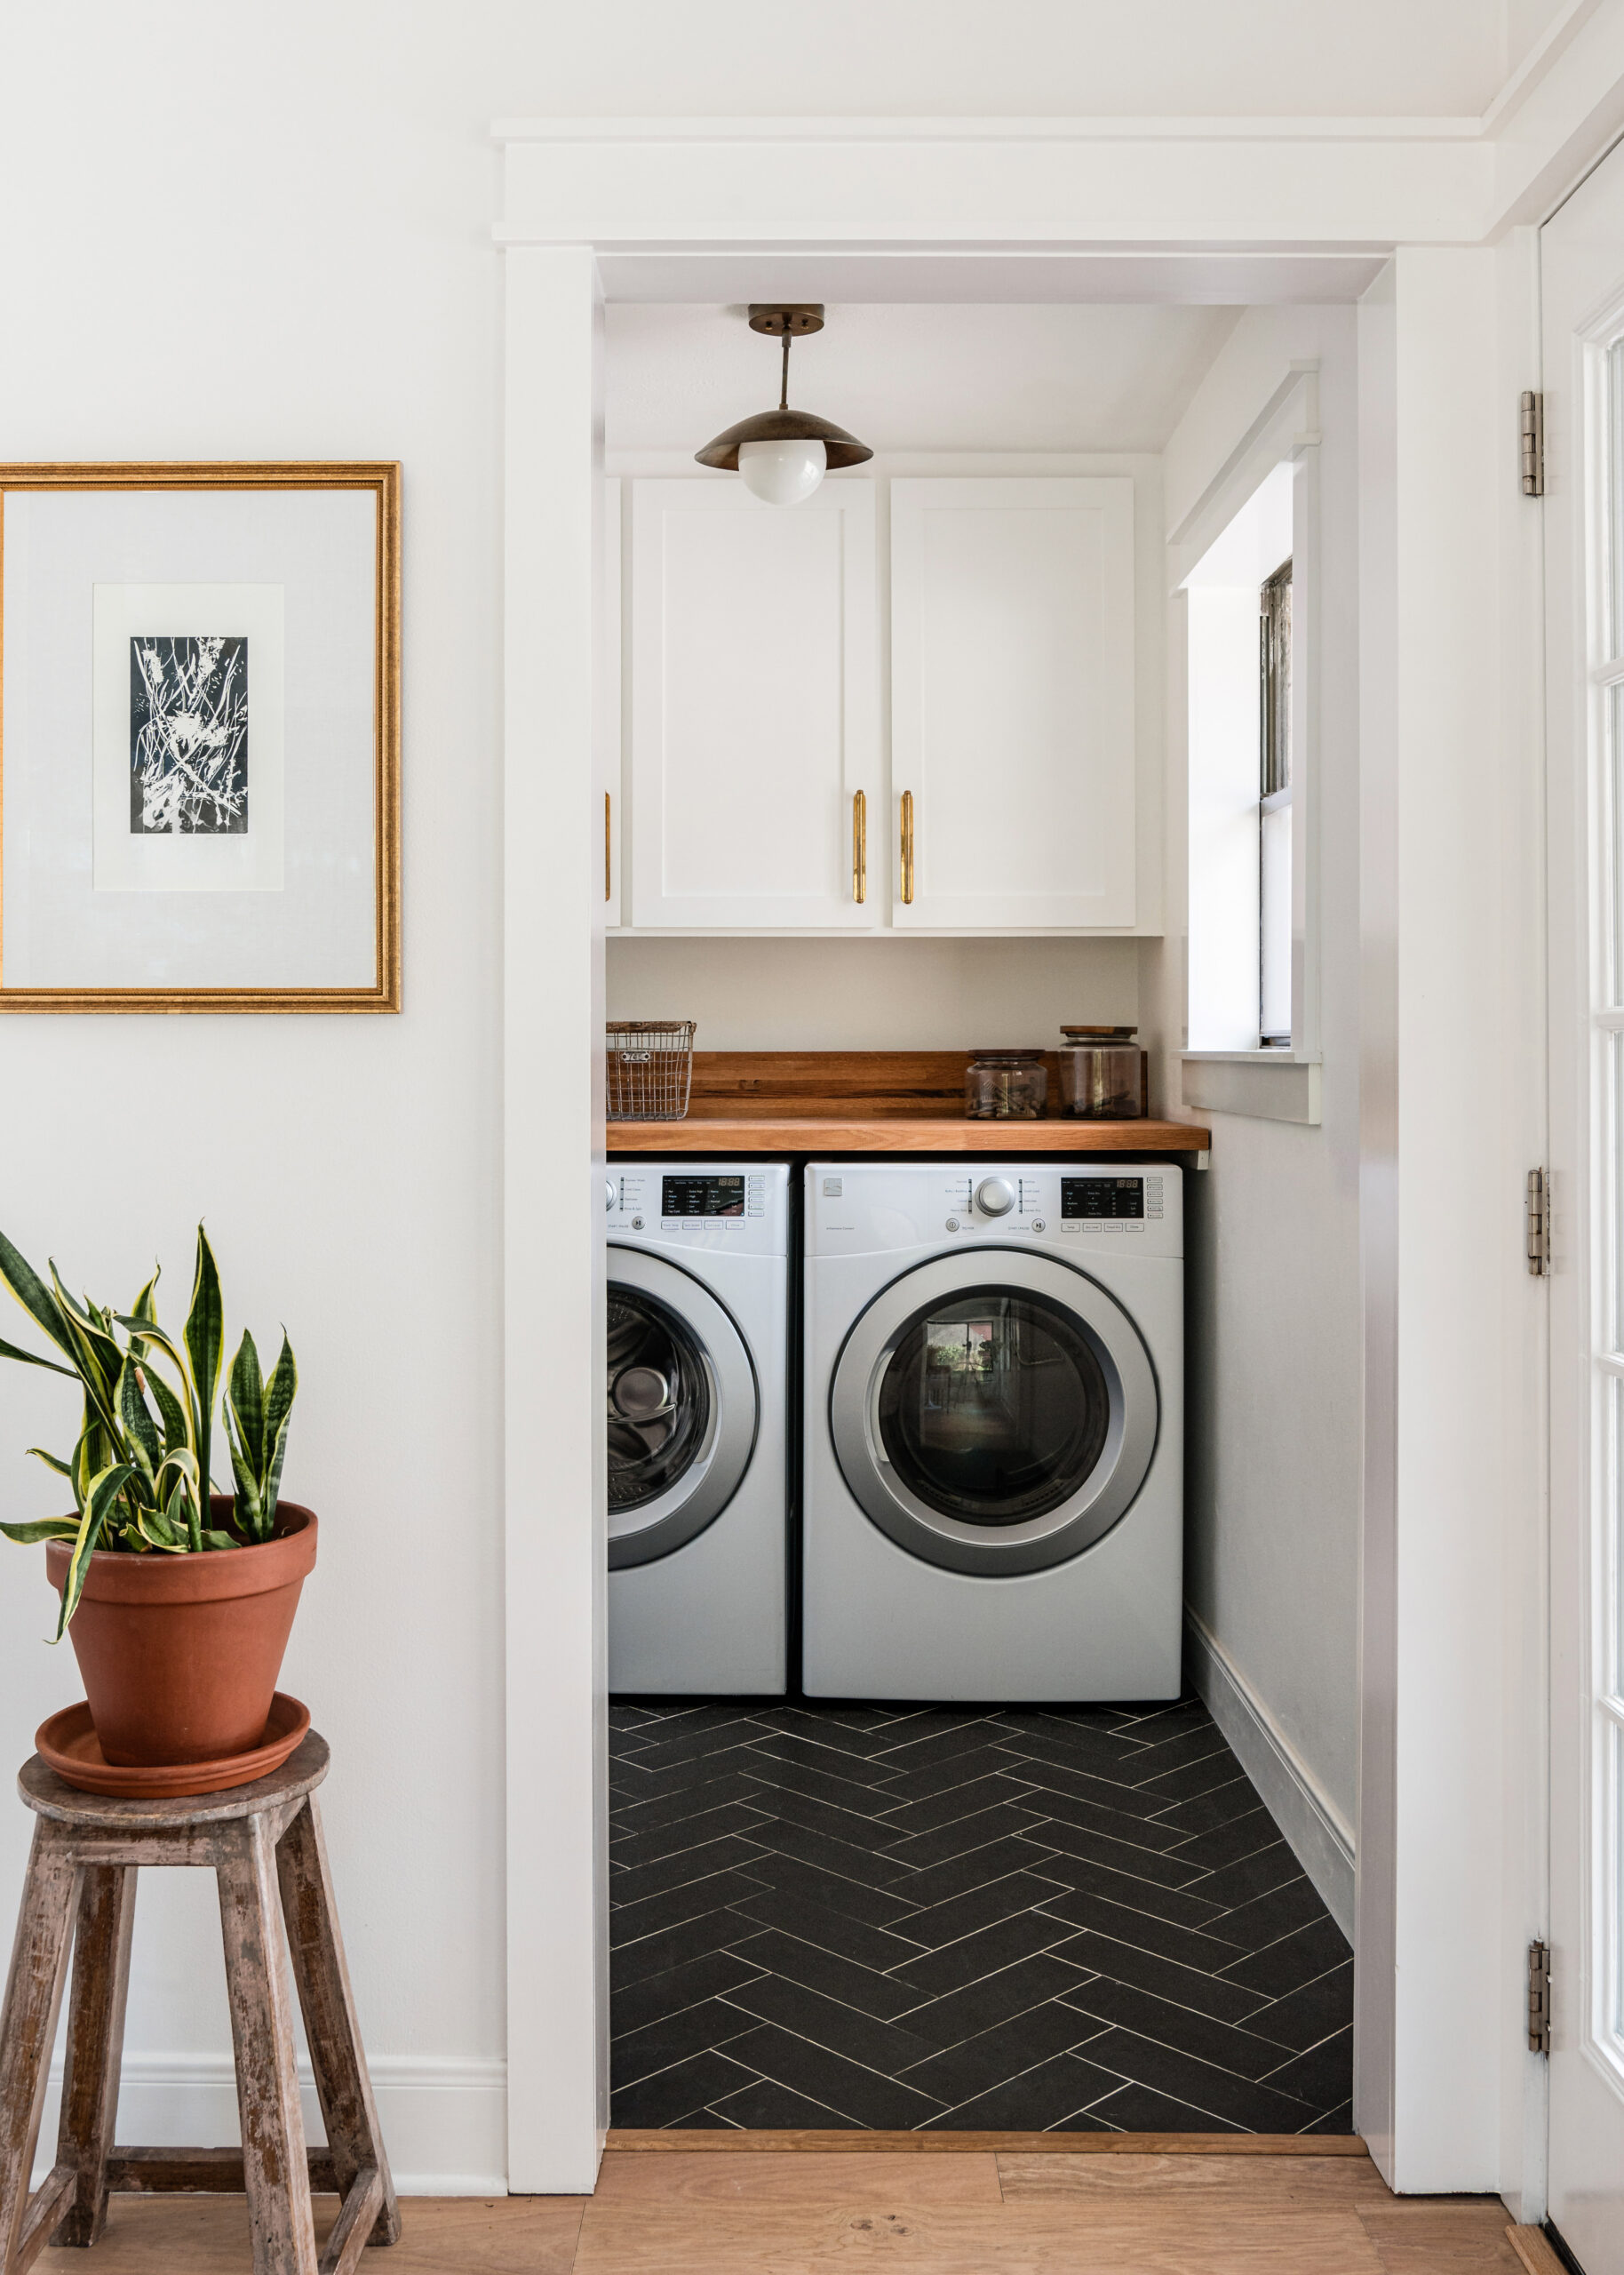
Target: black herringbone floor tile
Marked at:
889, 2047
1056, 2092
958, 1804
1009, 1919
831, 1931
1228, 2045
657, 1995
961, 2071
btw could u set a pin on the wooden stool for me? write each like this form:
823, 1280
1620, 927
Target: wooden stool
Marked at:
265, 1844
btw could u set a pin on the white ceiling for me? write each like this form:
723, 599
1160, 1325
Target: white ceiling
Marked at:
917, 378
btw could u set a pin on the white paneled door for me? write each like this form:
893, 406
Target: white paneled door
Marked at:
1012, 702
755, 764
1583, 303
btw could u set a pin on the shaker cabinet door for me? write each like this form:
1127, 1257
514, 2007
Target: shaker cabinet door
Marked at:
1012, 702
755, 709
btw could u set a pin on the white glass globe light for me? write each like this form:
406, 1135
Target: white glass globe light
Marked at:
782, 473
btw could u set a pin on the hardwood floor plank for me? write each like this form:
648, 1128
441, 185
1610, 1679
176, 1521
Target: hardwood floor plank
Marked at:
784, 2179
1532, 2248
1030, 2239
1448, 2235
443, 2235
1260, 2183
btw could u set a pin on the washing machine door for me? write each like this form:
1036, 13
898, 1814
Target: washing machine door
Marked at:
683, 1407
994, 1412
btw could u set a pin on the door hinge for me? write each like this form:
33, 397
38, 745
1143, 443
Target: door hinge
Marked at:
1538, 1998
1539, 1225
1533, 443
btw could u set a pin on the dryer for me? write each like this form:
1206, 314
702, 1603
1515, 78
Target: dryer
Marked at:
697, 1414
994, 1383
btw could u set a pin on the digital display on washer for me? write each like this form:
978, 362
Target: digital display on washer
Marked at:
702, 1197
1101, 1196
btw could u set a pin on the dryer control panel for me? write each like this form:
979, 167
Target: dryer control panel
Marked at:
737, 1206
1076, 1209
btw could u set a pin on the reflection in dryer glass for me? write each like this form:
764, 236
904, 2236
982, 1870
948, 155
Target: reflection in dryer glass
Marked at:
659, 1398
994, 1406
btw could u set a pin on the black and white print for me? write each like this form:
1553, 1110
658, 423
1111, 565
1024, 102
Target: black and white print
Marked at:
188, 736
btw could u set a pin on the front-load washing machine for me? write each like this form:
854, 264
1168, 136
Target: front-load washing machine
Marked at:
992, 1500
699, 1394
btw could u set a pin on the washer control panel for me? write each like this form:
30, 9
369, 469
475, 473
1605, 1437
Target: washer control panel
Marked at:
741, 1206
857, 1207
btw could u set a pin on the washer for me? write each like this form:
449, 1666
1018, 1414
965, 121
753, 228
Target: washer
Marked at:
993, 1489
698, 1397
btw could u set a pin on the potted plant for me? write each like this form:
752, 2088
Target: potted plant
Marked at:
179, 1599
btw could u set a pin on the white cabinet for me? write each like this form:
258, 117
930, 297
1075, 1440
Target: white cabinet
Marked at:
755, 707
1012, 701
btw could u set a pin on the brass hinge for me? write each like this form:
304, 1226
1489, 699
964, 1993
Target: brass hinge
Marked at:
1533, 443
1538, 1998
1539, 1225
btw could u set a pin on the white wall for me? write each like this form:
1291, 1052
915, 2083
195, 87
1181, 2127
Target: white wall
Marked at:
1273, 1538
891, 994
264, 234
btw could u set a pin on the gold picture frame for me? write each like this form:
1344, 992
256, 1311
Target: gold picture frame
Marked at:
383, 479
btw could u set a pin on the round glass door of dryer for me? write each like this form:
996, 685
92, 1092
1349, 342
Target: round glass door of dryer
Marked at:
682, 1409
994, 1414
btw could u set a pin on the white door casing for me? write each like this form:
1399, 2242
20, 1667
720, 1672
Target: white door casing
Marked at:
1012, 700
755, 706
1583, 307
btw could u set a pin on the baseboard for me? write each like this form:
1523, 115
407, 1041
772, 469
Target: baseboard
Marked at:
1318, 1836
444, 2121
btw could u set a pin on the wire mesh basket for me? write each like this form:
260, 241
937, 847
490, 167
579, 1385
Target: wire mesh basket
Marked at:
650, 1069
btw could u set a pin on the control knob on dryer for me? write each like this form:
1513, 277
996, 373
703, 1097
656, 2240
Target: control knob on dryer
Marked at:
995, 1196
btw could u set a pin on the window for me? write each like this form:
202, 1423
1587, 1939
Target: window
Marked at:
1274, 811
1242, 778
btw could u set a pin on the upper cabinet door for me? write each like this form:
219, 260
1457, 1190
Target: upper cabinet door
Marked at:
1012, 701
755, 708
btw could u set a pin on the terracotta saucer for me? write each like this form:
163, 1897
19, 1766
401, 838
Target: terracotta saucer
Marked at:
67, 1743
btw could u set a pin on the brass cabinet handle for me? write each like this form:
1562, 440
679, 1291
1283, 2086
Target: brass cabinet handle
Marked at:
609, 872
859, 846
907, 848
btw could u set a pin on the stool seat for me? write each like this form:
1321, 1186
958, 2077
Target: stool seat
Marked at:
264, 1844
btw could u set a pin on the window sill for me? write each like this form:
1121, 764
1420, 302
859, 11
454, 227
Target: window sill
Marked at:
1266, 1085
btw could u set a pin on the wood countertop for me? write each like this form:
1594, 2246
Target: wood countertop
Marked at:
870, 1102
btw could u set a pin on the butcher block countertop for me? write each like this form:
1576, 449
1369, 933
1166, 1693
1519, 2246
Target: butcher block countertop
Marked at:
870, 1102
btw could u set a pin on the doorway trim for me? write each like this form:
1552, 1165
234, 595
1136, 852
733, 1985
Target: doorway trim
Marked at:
918, 209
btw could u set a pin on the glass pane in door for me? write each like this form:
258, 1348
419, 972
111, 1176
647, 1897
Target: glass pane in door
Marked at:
659, 1398
994, 1406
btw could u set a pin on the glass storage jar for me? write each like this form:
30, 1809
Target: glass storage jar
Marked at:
1104, 1075
1006, 1086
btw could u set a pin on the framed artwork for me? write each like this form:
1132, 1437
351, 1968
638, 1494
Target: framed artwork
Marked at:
200, 737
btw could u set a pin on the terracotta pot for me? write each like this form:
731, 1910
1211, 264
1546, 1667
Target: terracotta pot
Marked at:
179, 1654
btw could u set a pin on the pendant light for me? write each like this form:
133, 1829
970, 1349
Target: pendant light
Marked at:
783, 454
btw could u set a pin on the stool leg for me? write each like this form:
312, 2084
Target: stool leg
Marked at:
95, 2043
275, 2172
28, 2020
337, 2054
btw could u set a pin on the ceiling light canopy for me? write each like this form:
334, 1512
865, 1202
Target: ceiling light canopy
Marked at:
783, 454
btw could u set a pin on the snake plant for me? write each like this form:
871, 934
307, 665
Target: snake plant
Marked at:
140, 1472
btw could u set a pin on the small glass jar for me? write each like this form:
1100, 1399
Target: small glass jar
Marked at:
1104, 1075
1006, 1086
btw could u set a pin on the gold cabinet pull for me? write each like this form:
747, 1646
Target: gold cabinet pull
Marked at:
609, 872
859, 847
907, 848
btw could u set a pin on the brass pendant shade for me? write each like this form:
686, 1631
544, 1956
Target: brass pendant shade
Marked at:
783, 425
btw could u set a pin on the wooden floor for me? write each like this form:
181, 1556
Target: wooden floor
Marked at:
975, 2212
